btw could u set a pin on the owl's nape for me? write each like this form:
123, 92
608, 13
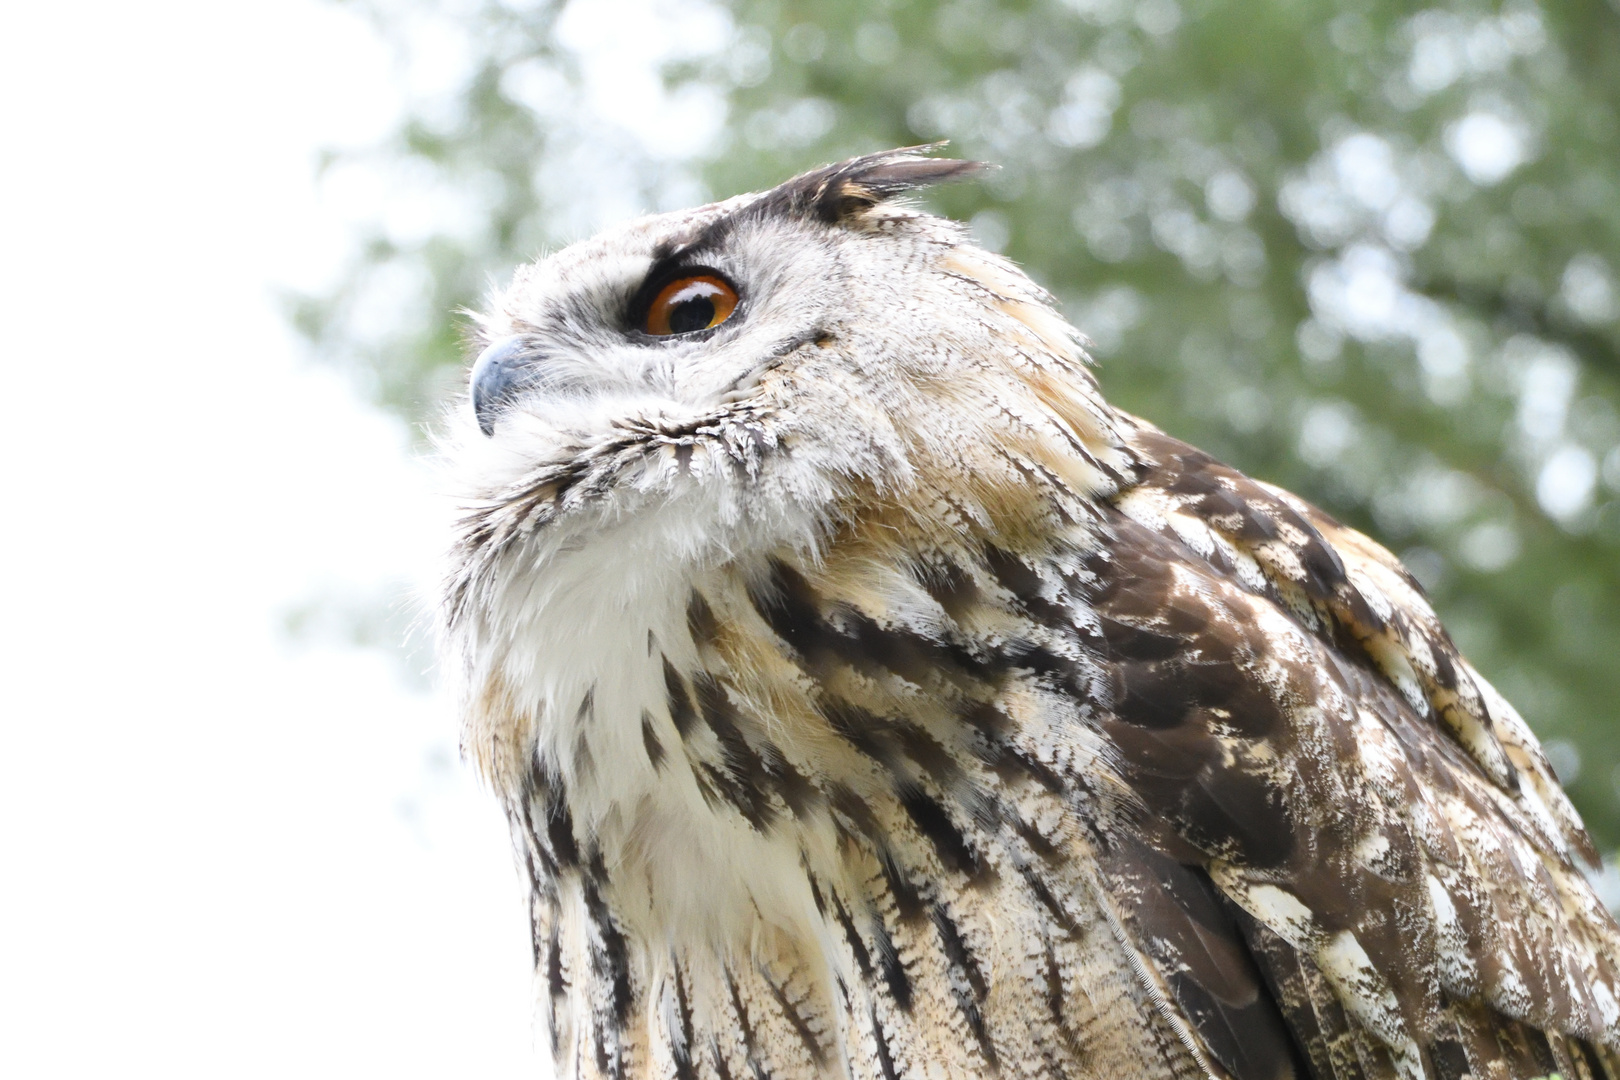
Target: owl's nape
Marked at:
870, 698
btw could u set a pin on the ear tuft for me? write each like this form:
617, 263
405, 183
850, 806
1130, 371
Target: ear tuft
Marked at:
833, 193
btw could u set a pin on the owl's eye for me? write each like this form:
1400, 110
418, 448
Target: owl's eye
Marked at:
690, 303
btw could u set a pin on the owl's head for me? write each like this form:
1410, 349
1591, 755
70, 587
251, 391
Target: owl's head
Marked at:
729, 376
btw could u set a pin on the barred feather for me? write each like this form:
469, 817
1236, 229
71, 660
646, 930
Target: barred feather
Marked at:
871, 699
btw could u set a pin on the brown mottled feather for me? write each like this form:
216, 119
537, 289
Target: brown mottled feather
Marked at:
1059, 750
1435, 806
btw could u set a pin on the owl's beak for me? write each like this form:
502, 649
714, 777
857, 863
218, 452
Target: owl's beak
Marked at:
496, 375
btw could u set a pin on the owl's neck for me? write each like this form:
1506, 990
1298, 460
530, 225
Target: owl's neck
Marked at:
666, 882
749, 824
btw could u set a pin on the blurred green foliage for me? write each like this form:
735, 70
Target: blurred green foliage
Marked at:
1363, 250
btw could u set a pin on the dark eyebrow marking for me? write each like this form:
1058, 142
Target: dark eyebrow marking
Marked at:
830, 195
676, 257
679, 252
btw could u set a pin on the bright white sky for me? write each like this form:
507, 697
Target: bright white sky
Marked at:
206, 864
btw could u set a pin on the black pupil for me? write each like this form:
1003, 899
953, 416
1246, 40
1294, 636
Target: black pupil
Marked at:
688, 315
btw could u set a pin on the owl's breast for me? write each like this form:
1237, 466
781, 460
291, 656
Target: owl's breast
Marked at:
784, 802
604, 729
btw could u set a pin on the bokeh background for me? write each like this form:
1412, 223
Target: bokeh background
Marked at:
1369, 251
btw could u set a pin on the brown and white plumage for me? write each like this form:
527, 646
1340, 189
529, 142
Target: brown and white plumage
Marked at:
869, 698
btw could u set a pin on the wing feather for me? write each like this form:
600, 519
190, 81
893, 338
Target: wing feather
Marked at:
1286, 703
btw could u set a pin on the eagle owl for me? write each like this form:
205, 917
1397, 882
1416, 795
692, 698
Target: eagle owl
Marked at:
870, 699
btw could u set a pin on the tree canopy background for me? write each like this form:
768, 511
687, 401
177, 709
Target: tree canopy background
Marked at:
1362, 251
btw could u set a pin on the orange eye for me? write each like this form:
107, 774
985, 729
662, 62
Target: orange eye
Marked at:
690, 303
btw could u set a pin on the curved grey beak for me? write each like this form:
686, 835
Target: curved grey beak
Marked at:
496, 375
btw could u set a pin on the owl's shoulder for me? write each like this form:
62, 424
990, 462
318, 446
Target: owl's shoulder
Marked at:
1297, 724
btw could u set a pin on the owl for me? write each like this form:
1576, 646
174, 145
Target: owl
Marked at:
870, 699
